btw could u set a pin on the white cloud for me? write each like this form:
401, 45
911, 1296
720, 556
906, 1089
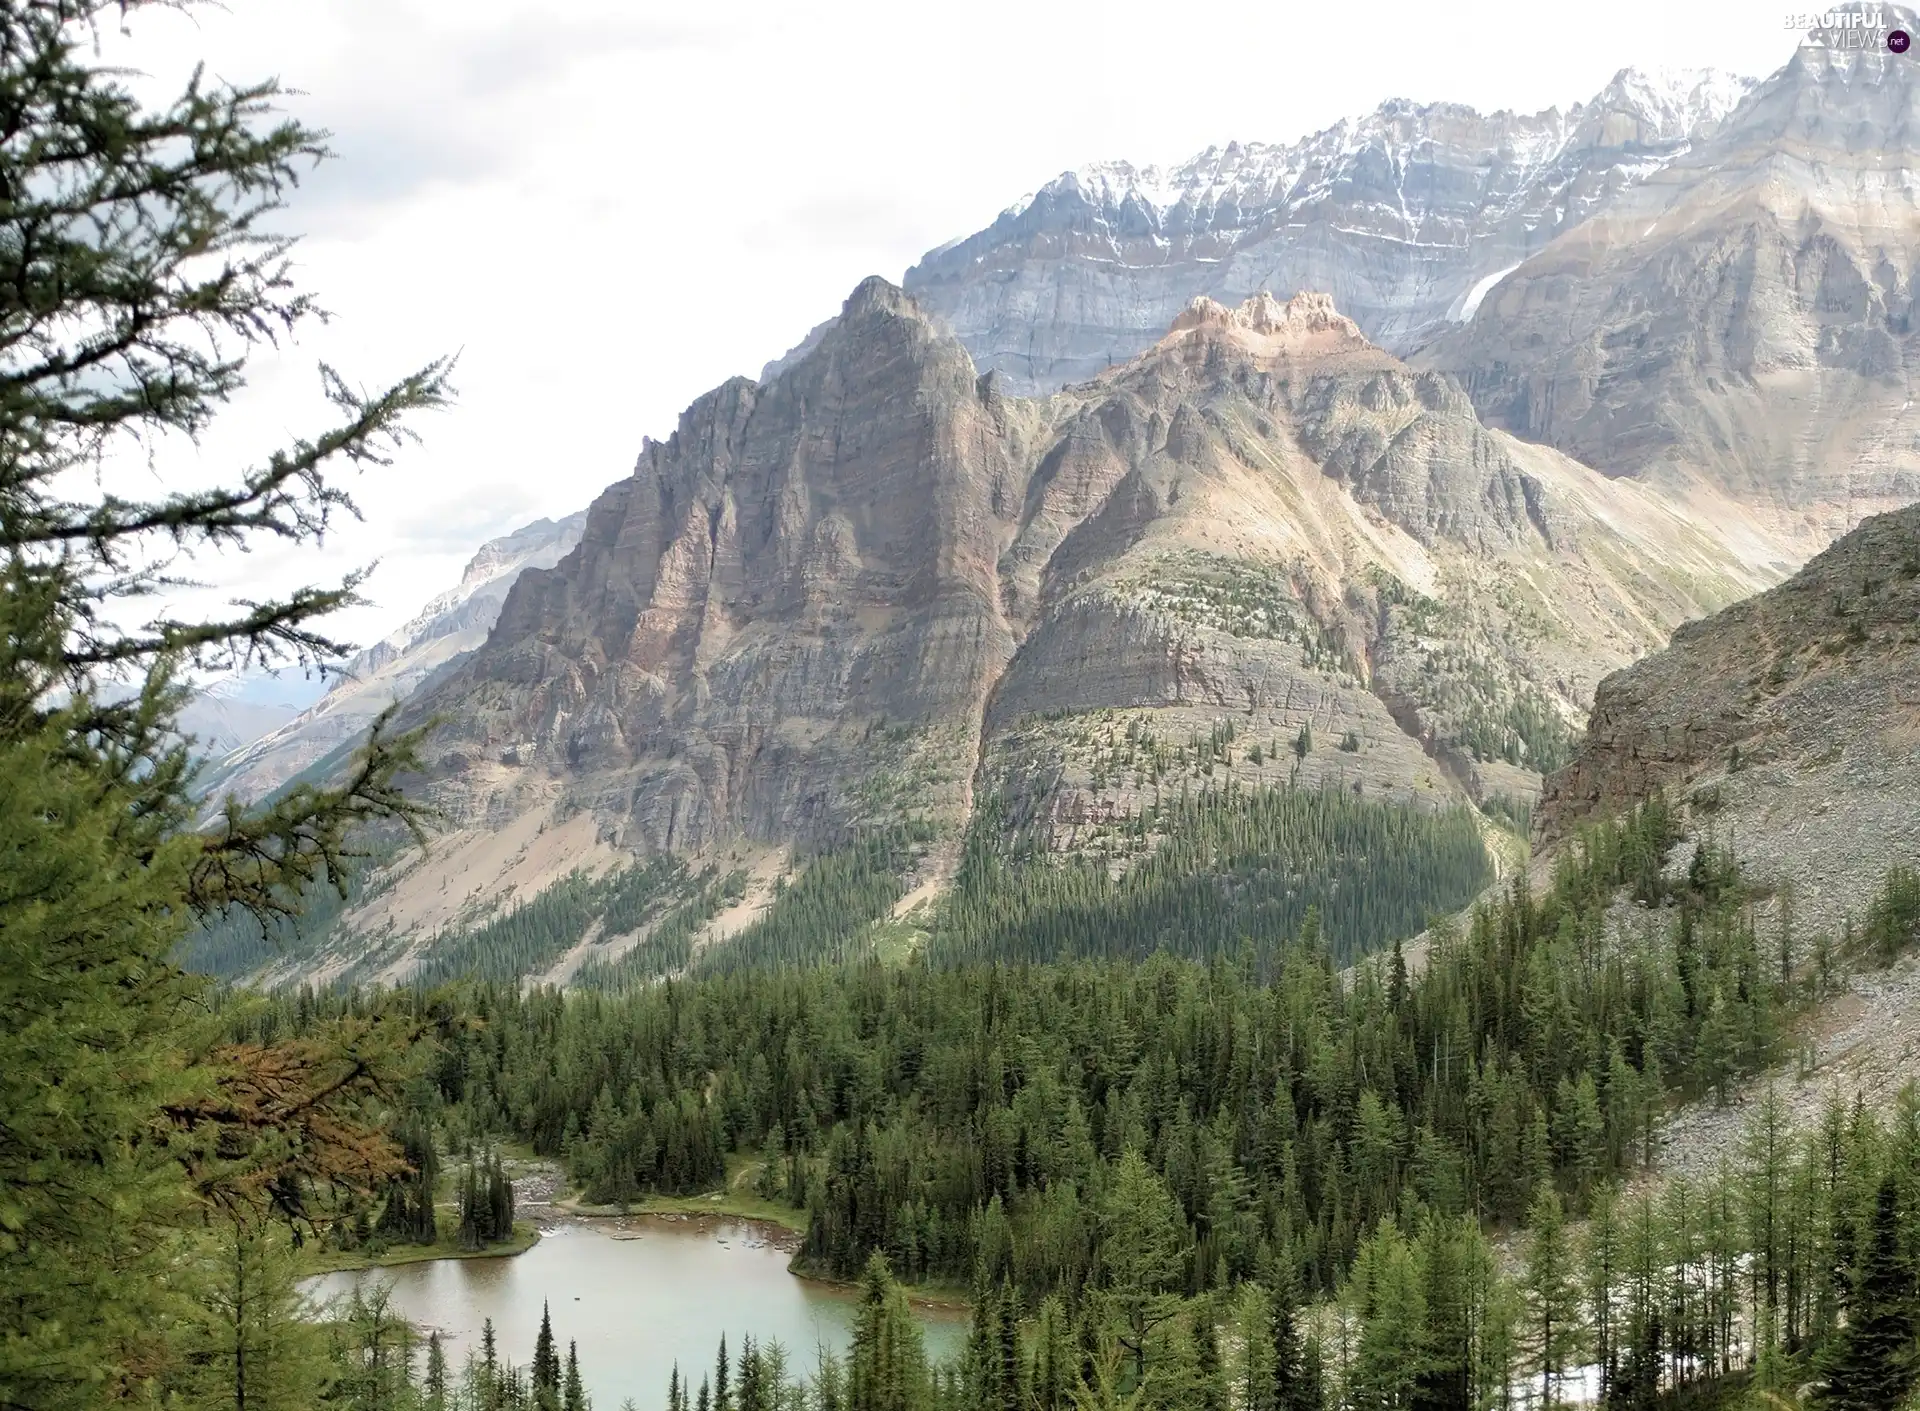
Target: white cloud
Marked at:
610, 212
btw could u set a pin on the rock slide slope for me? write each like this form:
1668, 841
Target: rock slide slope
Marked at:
1788, 724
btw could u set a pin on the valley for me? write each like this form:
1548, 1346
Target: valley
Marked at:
1285, 782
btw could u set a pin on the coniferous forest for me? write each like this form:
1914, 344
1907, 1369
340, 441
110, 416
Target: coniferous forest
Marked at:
1422, 1179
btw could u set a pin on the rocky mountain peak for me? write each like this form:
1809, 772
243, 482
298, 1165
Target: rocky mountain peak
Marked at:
878, 295
1657, 107
857, 591
1744, 316
1305, 313
1400, 214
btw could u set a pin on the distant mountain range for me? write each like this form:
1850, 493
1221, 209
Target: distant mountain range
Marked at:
1351, 465
1694, 278
1406, 216
455, 622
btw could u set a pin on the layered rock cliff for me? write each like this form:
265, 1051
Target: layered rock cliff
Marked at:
876, 586
1405, 216
1744, 316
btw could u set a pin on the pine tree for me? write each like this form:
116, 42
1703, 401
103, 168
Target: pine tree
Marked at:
1389, 1305
887, 1362
436, 1388
252, 1346
1871, 1366
546, 1362
1552, 1293
1209, 1375
1141, 1252
1011, 1396
1293, 1387
134, 243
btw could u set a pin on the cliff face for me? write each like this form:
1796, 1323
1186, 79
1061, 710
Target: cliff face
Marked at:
801, 562
1403, 215
1777, 719
1742, 317
875, 585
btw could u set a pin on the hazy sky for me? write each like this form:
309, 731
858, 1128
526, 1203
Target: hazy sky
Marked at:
608, 212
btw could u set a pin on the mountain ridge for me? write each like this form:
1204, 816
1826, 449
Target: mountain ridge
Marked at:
878, 592
449, 625
1237, 215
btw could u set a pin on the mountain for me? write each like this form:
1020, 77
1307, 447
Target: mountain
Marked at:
1704, 281
1743, 316
1406, 216
1788, 722
453, 623
878, 591
236, 710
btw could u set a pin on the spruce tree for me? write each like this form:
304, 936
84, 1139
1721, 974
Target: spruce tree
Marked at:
1871, 1365
887, 1362
1293, 1387
545, 1371
1209, 1375
436, 1387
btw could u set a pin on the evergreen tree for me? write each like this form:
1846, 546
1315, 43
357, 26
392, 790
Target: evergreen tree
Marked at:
1209, 1374
1141, 1254
545, 1371
1552, 1291
135, 247
887, 1362
1871, 1366
252, 1346
1388, 1303
1295, 1388
436, 1386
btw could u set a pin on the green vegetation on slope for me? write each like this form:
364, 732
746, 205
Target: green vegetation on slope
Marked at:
823, 915
529, 938
1231, 867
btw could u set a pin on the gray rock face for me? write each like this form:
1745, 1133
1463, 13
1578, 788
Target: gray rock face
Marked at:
876, 585
1744, 316
1404, 216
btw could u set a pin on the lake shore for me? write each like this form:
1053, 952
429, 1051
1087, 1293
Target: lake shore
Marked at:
345, 1261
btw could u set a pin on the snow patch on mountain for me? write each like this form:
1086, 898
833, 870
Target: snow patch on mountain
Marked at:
1469, 303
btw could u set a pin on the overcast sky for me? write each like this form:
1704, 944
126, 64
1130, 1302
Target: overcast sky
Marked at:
607, 212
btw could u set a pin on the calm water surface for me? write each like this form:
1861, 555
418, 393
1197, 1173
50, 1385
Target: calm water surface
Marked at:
637, 1295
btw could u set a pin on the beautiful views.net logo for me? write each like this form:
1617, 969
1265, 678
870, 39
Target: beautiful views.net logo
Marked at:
1851, 29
